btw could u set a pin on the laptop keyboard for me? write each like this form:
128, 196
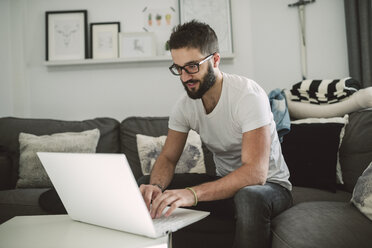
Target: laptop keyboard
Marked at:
164, 223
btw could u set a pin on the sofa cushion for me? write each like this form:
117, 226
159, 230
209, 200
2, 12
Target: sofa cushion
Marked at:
31, 172
322, 224
50, 202
16, 202
305, 194
356, 147
310, 150
362, 194
130, 127
150, 126
191, 160
10, 128
5, 171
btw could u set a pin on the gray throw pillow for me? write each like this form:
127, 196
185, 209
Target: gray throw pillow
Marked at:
31, 171
191, 160
362, 194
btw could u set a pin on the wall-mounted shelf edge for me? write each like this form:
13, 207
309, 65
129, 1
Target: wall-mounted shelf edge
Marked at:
119, 60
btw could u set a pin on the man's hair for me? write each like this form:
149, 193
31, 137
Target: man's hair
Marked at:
194, 34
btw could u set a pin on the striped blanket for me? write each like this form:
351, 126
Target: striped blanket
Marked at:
324, 91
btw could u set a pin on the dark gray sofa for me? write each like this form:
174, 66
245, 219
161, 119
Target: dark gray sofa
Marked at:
319, 218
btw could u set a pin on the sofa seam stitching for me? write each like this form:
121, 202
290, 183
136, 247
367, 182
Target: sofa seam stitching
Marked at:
279, 238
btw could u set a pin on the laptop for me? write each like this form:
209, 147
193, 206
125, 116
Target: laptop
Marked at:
100, 189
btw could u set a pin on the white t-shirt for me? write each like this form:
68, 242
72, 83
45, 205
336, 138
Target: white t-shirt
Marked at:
243, 106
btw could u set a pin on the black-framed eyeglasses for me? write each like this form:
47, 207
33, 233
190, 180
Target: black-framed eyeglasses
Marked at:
190, 68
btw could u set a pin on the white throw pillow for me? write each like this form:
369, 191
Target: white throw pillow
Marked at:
191, 160
359, 100
31, 172
362, 194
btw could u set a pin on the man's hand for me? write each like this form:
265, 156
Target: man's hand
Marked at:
149, 193
173, 198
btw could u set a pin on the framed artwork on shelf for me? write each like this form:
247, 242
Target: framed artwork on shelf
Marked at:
216, 13
160, 17
139, 44
66, 35
104, 40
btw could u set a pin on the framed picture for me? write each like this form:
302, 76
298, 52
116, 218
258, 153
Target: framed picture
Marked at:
160, 17
141, 44
104, 40
216, 13
66, 35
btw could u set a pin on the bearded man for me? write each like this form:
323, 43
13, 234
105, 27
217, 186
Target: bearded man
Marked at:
232, 115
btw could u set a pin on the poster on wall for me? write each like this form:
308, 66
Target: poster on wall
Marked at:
160, 19
216, 13
66, 35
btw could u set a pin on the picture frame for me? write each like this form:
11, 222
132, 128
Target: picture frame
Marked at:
216, 13
104, 42
66, 35
160, 19
137, 44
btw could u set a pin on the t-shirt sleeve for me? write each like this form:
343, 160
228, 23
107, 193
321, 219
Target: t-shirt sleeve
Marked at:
177, 119
253, 111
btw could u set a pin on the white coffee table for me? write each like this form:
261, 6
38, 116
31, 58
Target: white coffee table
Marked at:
59, 231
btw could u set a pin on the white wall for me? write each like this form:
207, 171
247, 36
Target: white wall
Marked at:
266, 43
6, 102
276, 45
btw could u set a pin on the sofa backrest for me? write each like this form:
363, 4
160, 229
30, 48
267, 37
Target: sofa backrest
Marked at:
150, 126
10, 128
356, 149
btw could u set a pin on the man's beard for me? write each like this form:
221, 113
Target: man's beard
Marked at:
207, 82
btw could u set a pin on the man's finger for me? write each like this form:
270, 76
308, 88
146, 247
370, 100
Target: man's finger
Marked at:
173, 207
166, 202
160, 203
147, 197
155, 204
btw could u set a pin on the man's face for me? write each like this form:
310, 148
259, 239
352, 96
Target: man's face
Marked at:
196, 85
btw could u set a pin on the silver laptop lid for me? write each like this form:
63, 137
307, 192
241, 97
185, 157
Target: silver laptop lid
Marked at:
99, 189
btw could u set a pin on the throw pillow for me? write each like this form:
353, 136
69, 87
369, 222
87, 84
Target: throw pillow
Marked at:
324, 91
359, 100
31, 171
191, 160
362, 194
310, 150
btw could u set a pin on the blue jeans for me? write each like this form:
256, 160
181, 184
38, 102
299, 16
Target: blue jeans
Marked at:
253, 207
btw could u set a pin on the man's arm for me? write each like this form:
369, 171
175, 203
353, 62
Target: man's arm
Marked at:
254, 169
163, 170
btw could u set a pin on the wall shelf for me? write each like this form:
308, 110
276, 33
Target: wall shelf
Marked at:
163, 58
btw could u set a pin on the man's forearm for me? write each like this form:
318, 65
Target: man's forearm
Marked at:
254, 169
227, 186
162, 173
